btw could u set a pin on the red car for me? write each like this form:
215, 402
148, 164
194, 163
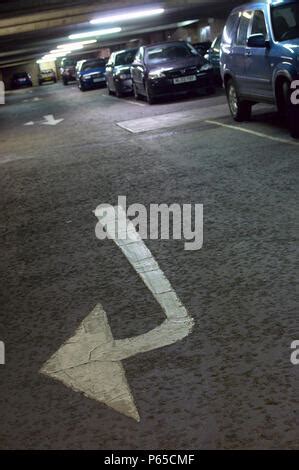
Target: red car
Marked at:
68, 71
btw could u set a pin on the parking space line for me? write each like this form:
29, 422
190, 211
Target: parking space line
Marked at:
258, 134
135, 102
173, 119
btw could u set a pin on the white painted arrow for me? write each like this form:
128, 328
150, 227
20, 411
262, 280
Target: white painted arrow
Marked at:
90, 361
32, 99
51, 121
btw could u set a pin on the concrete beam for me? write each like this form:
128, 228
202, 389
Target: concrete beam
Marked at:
42, 25
80, 14
95, 7
15, 64
26, 58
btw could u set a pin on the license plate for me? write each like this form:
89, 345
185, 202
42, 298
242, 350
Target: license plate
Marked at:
96, 80
190, 78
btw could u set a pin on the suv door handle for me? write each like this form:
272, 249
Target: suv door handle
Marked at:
248, 53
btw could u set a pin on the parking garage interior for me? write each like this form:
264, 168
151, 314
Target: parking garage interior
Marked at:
95, 357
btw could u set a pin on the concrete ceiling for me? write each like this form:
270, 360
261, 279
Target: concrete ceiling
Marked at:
30, 28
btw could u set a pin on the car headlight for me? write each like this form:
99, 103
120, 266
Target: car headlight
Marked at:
205, 68
86, 77
156, 74
124, 76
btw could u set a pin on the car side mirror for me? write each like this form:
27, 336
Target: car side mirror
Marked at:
257, 40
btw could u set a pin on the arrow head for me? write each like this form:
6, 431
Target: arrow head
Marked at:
104, 381
50, 120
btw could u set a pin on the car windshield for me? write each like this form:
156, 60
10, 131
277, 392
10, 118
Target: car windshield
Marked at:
285, 20
93, 64
125, 58
164, 53
20, 75
68, 63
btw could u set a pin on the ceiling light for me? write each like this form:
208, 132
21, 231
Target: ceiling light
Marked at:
48, 58
60, 53
186, 23
100, 32
69, 48
72, 45
133, 15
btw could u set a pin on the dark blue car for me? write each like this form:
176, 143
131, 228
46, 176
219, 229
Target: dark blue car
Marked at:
260, 58
213, 57
91, 74
20, 80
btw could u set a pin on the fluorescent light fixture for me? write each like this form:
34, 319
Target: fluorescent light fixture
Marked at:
100, 32
72, 45
133, 15
48, 58
186, 23
60, 53
68, 48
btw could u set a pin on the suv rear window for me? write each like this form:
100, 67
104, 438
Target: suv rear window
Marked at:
229, 32
259, 23
243, 28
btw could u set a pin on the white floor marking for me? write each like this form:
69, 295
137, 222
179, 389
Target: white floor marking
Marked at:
91, 360
32, 99
173, 119
49, 120
103, 379
136, 103
257, 134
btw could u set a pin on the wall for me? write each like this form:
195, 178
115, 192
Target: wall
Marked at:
31, 68
209, 29
186, 33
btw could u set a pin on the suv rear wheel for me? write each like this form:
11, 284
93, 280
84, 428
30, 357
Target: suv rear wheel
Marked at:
240, 109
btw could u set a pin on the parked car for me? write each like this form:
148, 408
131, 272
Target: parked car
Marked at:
78, 66
260, 58
91, 74
46, 76
68, 71
168, 68
21, 79
202, 47
118, 72
213, 57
